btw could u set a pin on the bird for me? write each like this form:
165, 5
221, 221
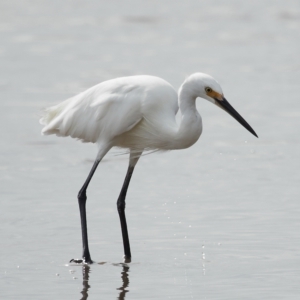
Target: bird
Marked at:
137, 113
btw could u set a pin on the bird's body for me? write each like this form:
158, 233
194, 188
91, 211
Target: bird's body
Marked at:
137, 113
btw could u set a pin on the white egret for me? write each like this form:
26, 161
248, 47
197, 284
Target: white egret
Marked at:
137, 113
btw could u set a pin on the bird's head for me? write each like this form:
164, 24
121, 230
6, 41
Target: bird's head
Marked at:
205, 86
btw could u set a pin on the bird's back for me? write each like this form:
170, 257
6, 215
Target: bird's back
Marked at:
105, 111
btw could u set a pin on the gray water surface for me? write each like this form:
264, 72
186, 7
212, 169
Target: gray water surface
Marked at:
219, 220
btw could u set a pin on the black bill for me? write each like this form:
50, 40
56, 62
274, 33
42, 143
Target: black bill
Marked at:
227, 107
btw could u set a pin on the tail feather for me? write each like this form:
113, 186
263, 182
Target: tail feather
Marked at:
49, 115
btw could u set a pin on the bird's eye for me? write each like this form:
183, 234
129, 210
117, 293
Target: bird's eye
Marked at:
208, 90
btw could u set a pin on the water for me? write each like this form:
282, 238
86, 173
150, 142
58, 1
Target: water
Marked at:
217, 221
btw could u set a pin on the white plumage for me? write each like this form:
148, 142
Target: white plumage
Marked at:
136, 106
137, 113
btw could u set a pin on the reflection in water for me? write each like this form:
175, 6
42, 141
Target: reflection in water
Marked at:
85, 282
125, 282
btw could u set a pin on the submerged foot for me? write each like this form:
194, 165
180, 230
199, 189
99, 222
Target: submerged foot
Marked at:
127, 259
81, 261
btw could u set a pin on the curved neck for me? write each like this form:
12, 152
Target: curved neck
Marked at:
190, 127
187, 99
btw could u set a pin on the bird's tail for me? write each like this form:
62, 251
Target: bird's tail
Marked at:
49, 114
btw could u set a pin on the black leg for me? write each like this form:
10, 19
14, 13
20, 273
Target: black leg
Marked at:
121, 209
86, 257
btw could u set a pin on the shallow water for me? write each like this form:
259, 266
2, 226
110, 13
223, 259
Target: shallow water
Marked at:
217, 221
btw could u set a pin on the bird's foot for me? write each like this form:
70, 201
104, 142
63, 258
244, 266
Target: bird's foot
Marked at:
81, 261
127, 259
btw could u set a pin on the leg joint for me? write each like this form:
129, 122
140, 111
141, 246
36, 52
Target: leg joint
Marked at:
81, 195
121, 205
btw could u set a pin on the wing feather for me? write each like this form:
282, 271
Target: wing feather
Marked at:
103, 111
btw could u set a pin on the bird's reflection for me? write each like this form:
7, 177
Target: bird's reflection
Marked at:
125, 282
85, 281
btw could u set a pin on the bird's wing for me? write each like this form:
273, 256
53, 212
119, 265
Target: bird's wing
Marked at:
101, 112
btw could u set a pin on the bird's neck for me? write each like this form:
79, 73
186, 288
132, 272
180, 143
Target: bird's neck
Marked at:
191, 124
